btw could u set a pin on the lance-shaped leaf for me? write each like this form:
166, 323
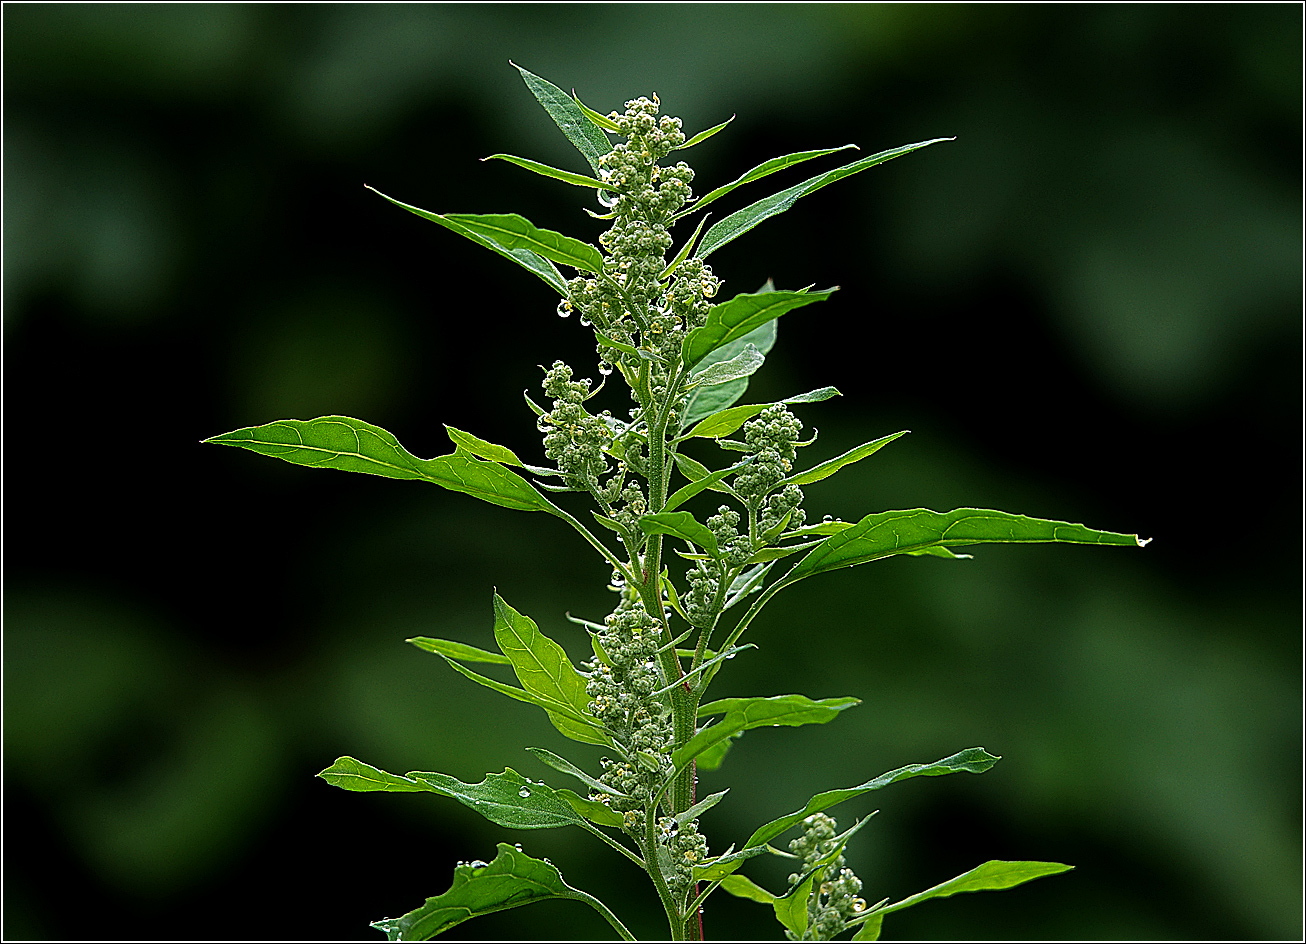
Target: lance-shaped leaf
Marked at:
506, 799
684, 494
900, 532
831, 466
340, 442
458, 650
544, 170
525, 257
994, 875
514, 232
579, 129
704, 135
567, 767
348, 773
543, 669
974, 760
765, 169
743, 364
743, 714
704, 400
480, 447
511, 880
592, 810
741, 221
573, 724
602, 121
735, 318
725, 422
681, 524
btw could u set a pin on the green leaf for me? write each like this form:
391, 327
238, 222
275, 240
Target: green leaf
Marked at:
705, 400
974, 760
516, 232
704, 135
543, 669
684, 250
994, 875
348, 773
743, 364
681, 524
523, 256
765, 169
743, 887
592, 810
741, 221
714, 756
579, 129
725, 864
725, 422
567, 767
506, 799
457, 650
831, 466
699, 808
901, 532
695, 471
480, 447
340, 442
738, 316
566, 176
791, 910
511, 880
743, 714
685, 493
603, 121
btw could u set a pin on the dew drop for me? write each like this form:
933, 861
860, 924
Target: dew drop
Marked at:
827, 519
523, 792
730, 654
584, 322
605, 370
607, 199
517, 846
478, 864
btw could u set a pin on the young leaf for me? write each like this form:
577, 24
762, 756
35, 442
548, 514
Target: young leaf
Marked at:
831, 466
523, 256
742, 714
743, 364
900, 532
994, 875
695, 471
741, 221
340, 442
458, 650
567, 767
704, 135
684, 250
506, 799
684, 494
511, 880
974, 760
592, 810
681, 524
514, 232
603, 121
725, 422
541, 665
348, 773
741, 886
705, 400
579, 129
480, 447
766, 168
566, 176
738, 316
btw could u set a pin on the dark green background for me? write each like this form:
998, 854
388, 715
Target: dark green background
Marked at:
1087, 307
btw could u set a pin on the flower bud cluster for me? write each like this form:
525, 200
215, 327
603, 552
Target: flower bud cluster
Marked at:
834, 898
771, 438
683, 847
621, 689
572, 437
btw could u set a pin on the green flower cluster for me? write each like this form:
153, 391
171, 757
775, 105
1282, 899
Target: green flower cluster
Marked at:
573, 438
771, 438
835, 898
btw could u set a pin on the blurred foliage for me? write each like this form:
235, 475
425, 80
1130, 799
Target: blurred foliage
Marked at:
1106, 263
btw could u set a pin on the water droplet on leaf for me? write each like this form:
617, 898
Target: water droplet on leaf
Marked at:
523, 792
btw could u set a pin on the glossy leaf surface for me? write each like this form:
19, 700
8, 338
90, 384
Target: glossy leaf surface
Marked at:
482, 448
704, 135
830, 466
681, 524
764, 169
724, 422
350, 445
544, 170
743, 364
526, 258
994, 875
511, 880
743, 714
458, 650
705, 400
900, 532
737, 317
741, 221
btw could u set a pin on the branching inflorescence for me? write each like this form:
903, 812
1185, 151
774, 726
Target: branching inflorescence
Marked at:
685, 360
